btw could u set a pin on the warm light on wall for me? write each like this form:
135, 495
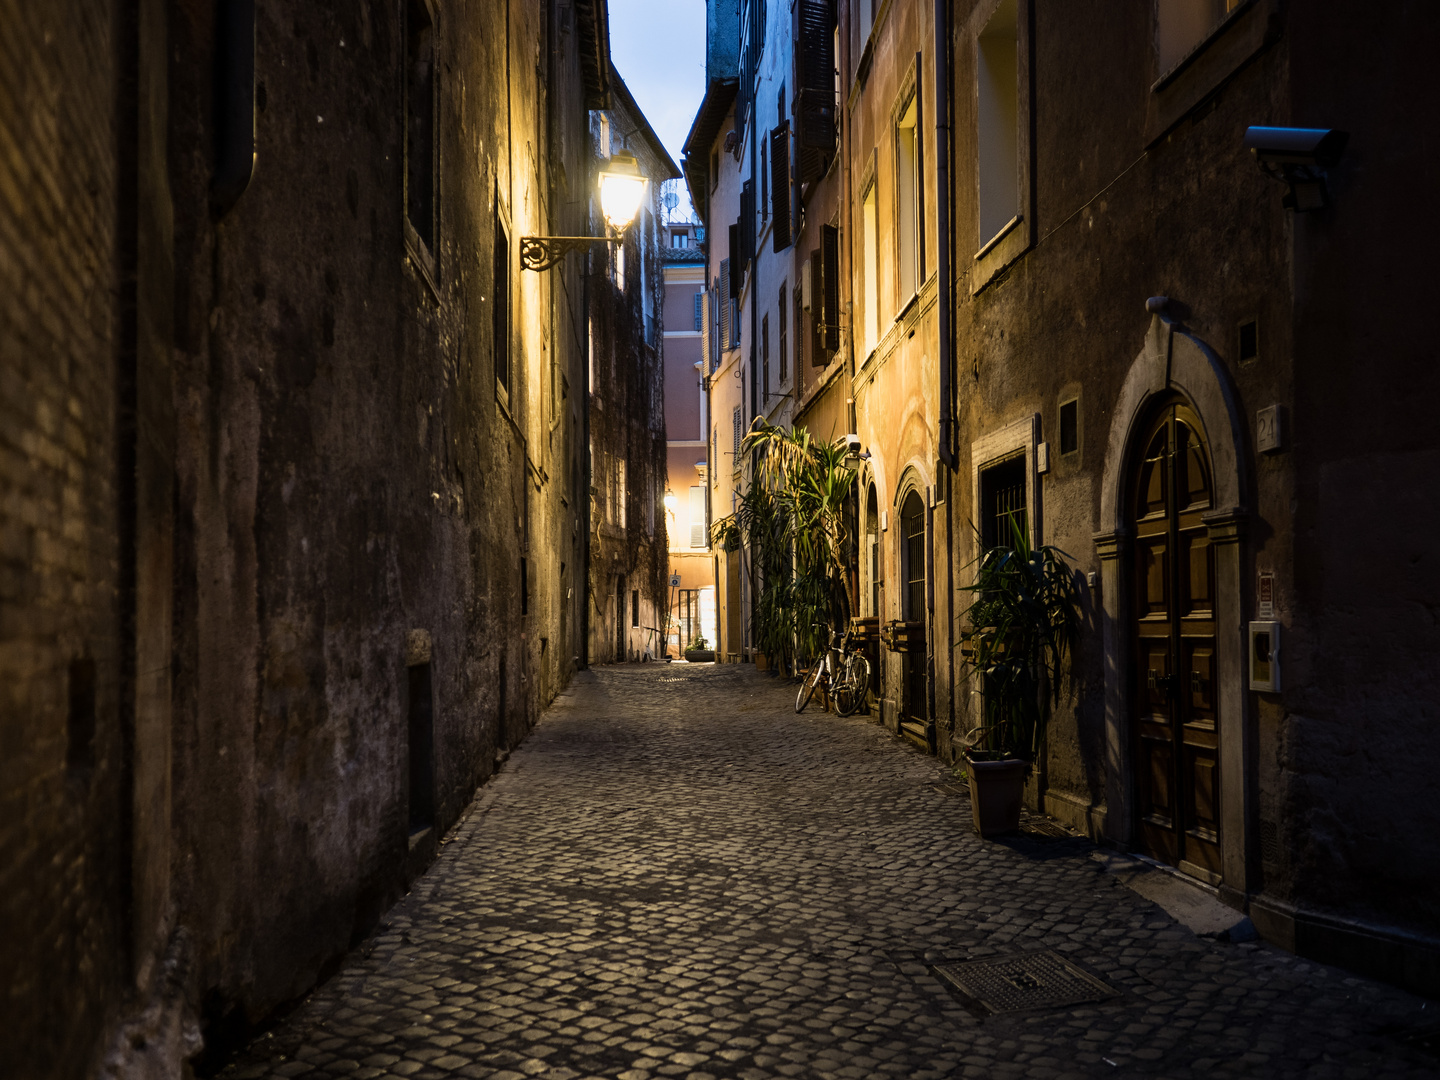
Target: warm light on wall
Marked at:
669, 501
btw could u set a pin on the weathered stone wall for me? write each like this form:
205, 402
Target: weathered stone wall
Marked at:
1125, 207
327, 491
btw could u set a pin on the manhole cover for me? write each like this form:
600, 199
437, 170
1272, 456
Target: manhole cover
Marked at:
1037, 980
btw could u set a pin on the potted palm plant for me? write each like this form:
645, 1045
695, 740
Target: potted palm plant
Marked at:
1023, 626
791, 519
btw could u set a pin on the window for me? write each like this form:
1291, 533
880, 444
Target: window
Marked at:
780, 192
714, 169
764, 172
997, 72
604, 136
872, 544
871, 270
765, 356
739, 422
783, 311
699, 311
912, 533
80, 717
620, 491
798, 335
907, 202
500, 307
697, 516
1180, 25
420, 122
1002, 502
725, 319
1249, 340
634, 607
815, 113
1069, 426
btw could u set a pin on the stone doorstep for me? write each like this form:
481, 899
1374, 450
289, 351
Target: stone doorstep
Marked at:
1188, 902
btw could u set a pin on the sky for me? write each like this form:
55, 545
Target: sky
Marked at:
658, 46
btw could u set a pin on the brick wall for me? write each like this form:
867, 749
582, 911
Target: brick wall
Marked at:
61, 812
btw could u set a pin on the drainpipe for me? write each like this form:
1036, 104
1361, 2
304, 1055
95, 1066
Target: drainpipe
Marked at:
944, 299
945, 302
584, 496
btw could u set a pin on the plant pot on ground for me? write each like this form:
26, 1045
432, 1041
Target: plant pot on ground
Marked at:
1023, 629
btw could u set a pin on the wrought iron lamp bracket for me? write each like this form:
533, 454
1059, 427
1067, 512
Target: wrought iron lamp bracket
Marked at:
543, 252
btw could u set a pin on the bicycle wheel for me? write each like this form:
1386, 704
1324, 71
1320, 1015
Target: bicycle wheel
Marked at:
808, 684
855, 687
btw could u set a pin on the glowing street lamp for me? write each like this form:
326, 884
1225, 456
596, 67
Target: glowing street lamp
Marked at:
622, 189
670, 501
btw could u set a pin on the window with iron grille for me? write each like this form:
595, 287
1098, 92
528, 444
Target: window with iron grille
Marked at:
699, 311
1002, 502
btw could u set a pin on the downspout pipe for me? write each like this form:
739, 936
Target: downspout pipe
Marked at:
944, 297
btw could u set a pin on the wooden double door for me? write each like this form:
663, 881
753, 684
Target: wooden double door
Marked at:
1175, 723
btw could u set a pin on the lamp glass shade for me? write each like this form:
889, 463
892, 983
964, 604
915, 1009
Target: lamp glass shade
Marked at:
670, 500
621, 189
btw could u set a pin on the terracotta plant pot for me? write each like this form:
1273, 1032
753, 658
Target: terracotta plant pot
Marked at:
762, 662
996, 788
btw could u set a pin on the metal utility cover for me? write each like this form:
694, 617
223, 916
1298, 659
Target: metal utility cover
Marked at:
1036, 980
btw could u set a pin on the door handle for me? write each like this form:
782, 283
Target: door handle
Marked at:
1156, 681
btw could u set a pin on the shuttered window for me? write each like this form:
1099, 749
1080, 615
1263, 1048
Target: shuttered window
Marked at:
724, 303
739, 432
697, 516
814, 86
780, 197
830, 285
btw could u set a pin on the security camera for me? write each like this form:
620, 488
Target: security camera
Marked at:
1298, 158
852, 445
1316, 147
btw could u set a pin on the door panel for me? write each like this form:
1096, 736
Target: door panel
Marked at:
1177, 735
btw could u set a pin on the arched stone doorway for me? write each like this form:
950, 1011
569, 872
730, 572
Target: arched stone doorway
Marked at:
1176, 380
1174, 729
914, 704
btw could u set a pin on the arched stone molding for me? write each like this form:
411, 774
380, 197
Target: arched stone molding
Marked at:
1175, 361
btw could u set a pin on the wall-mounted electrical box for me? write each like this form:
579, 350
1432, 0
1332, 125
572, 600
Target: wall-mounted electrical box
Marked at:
1265, 656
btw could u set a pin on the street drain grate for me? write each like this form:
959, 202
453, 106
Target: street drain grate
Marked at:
1035, 980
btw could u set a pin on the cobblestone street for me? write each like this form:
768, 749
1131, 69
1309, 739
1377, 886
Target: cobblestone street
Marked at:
677, 876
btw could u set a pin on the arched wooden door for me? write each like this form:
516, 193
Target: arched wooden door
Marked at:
1174, 719
912, 603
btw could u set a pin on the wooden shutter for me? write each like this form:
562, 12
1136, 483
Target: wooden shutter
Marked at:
724, 303
780, 186
814, 86
747, 222
817, 311
697, 517
830, 284
702, 312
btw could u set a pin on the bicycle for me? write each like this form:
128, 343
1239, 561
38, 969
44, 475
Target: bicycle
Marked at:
844, 671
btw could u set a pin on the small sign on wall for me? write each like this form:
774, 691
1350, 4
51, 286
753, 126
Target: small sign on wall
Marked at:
1269, 438
1265, 594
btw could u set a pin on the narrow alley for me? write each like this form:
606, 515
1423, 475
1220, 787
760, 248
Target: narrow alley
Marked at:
677, 876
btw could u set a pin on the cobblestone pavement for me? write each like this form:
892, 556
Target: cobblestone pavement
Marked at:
676, 876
